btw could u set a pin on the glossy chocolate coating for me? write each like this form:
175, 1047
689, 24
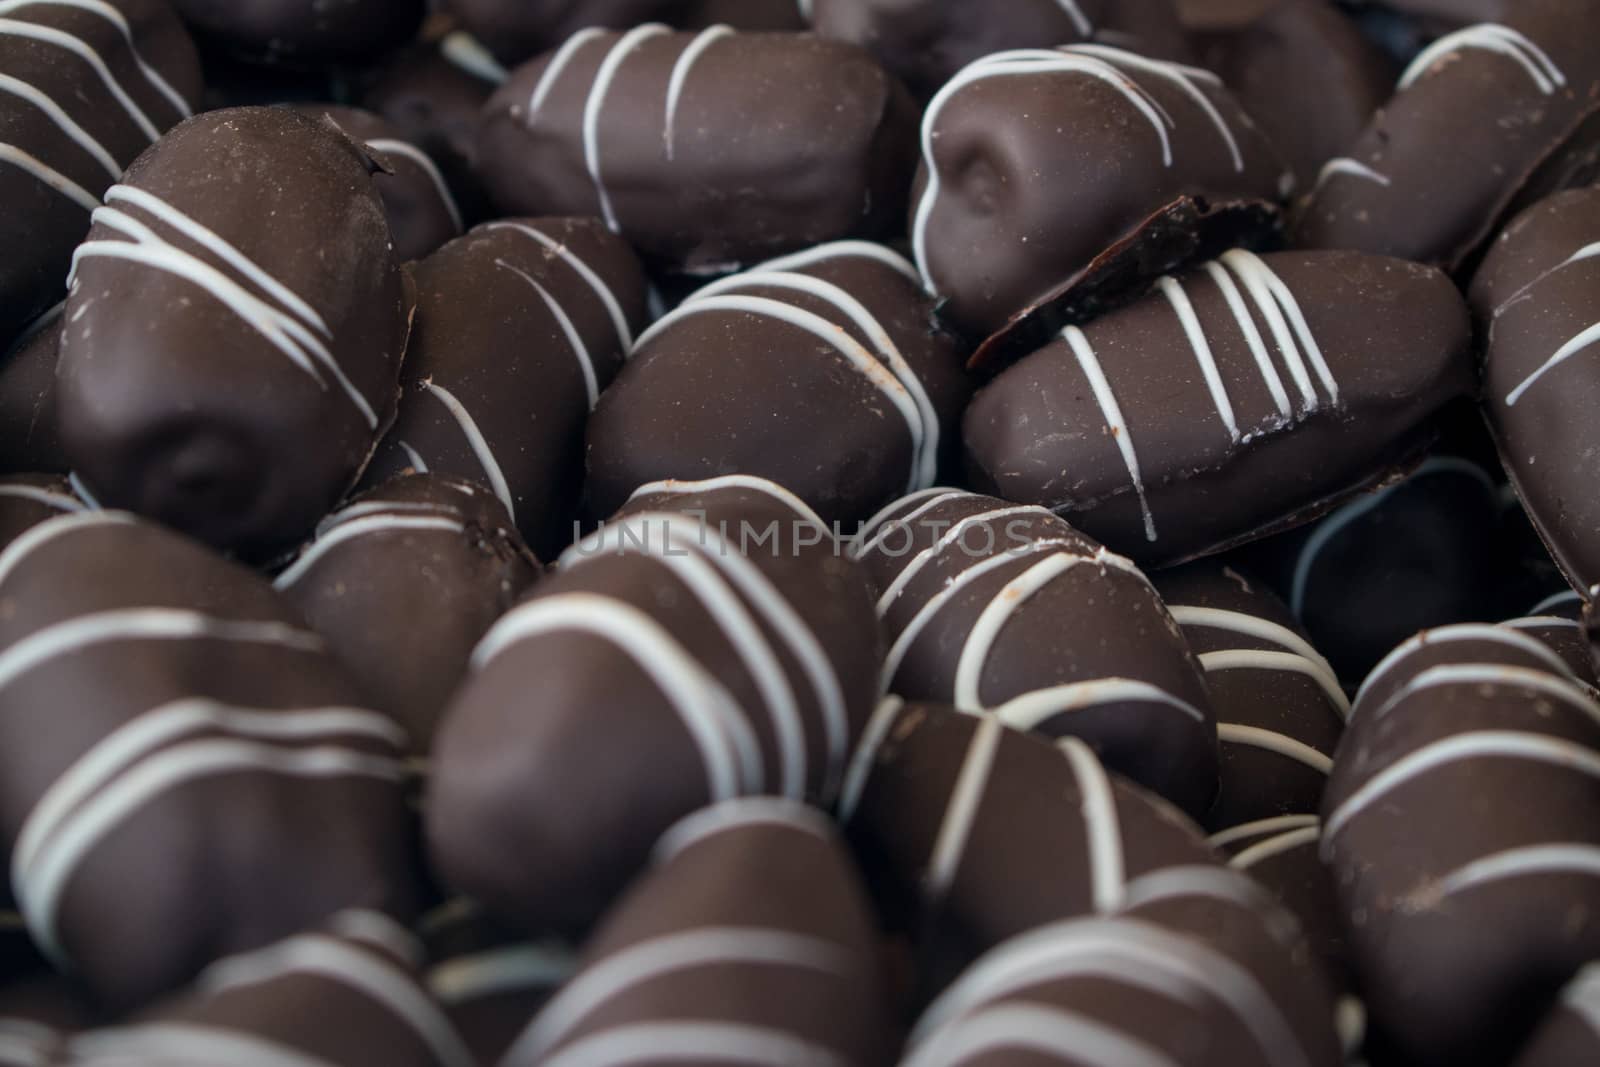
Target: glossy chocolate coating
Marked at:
1198, 968
1461, 824
348, 994
1004, 609
1481, 123
1535, 300
1417, 553
29, 440
304, 31
972, 832
26, 500
1308, 76
162, 701
1014, 200
1568, 1033
1239, 399
402, 583
234, 330
751, 932
95, 85
712, 641
706, 151
419, 205
520, 326
925, 42
1561, 626
823, 371
1280, 709
517, 29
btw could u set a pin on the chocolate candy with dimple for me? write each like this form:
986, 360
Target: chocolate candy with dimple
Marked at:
88, 87
1015, 204
1463, 829
420, 207
972, 832
1535, 298
1482, 122
1198, 968
822, 371
1247, 396
306, 32
925, 42
402, 583
346, 994
1006, 610
717, 628
706, 151
749, 941
188, 772
520, 326
235, 329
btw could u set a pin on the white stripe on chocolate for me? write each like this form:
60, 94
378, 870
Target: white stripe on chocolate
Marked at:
143, 624
116, 18
1080, 22
43, 883
1022, 62
36, 537
25, 161
49, 35
876, 529
966, 797
709, 714
343, 532
669, 956
619, 53
375, 978
689, 1042
380, 931
423, 162
1576, 858
1489, 37
754, 483
1278, 304
1032, 710
1466, 632
40, 495
925, 430
859, 772
1201, 347
514, 969
185, 1044
1260, 827
1262, 851
680, 76
887, 380
476, 441
841, 250
596, 284
1126, 951
64, 122
1577, 344
1552, 752
1582, 255
1102, 828
557, 66
1347, 167
1276, 743
1311, 662
1206, 880
716, 576
742, 813
1252, 337
1184, 77
1111, 411
1566, 596
1035, 1028
591, 381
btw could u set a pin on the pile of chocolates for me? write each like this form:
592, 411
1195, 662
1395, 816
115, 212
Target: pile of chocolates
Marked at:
799, 533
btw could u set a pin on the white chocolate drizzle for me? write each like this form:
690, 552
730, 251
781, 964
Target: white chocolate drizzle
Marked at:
293, 327
591, 278
592, 108
391, 146
557, 66
1465, 632
1111, 411
1270, 827
1346, 167
689, 1042
740, 814
1279, 744
355, 529
1276, 846
1489, 37
966, 797
1582, 340
591, 380
172, 1042
710, 716
476, 441
1037, 1028
1102, 829
1312, 663
680, 76
754, 483
1576, 858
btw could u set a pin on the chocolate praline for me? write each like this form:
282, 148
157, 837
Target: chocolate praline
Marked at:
235, 328
90, 86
